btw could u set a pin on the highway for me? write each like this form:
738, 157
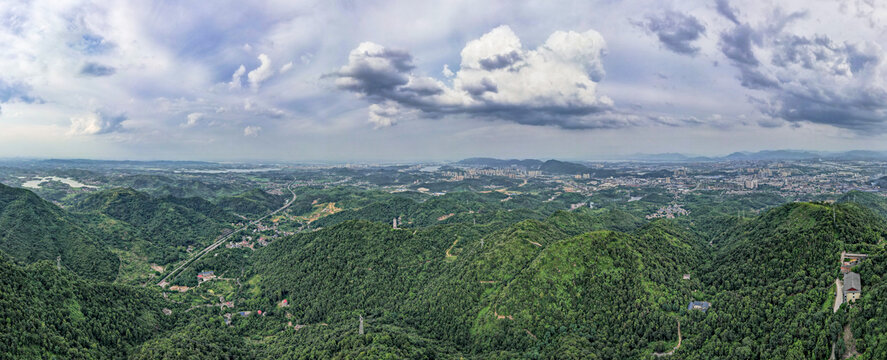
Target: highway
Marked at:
222, 239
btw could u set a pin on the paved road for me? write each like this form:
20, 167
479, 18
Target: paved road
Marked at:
221, 240
839, 294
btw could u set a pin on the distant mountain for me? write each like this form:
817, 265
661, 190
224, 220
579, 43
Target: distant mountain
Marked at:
659, 157
33, 229
774, 155
765, 155
491, 162
859, 155
563, 167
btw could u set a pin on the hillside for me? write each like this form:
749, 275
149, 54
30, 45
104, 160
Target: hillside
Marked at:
32, 229
563, 167
875, 202
169, 225
771, 278
252, 203
49, 313
456, 283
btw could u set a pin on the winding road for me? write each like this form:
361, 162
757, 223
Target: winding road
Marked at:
222, 239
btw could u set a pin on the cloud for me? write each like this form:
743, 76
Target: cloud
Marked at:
447, 72
252, 131
736, 44
554, 84
286, 67
97, 70
96, 123
383, 115
724, 8
193, 119
261, 73
675, 31
17, 92
373, 70
235, 78
809, 78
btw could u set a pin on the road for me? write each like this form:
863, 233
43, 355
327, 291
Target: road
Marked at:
221, 240
678, 346
839, 294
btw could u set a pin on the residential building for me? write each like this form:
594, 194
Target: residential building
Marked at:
852, 287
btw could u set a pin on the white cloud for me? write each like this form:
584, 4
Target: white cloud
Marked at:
555, 84
252, 131
261, 73
96, 123
286, 67
383, 115
235, 78
447, 72
193, 119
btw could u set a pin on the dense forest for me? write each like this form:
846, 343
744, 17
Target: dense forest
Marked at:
467, 275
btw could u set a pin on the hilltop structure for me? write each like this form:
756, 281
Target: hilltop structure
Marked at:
852, 287
699, 305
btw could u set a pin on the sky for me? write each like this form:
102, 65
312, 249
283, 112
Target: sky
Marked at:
438, 80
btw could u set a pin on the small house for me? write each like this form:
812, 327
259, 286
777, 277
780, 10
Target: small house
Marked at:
852, 287
699, 305
686, 277
206, 275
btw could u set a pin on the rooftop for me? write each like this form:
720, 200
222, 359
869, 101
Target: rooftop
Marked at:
852, 282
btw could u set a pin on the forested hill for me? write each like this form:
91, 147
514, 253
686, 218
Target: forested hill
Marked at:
47, 313
773, 280
169, 224
255, 202
875, 202
33, 229
467, 275
489, 292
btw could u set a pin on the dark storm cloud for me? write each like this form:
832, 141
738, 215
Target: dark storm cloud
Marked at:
736, 44
675, 30
478, 89
374, 70
97, 70
809, 79
723, 7
500, 61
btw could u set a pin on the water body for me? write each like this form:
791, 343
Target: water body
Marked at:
35, 183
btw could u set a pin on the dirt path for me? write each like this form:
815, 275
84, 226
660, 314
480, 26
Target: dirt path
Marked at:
850, 343
450, 256
678, 346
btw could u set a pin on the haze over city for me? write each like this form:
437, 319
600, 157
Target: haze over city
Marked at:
406, 80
